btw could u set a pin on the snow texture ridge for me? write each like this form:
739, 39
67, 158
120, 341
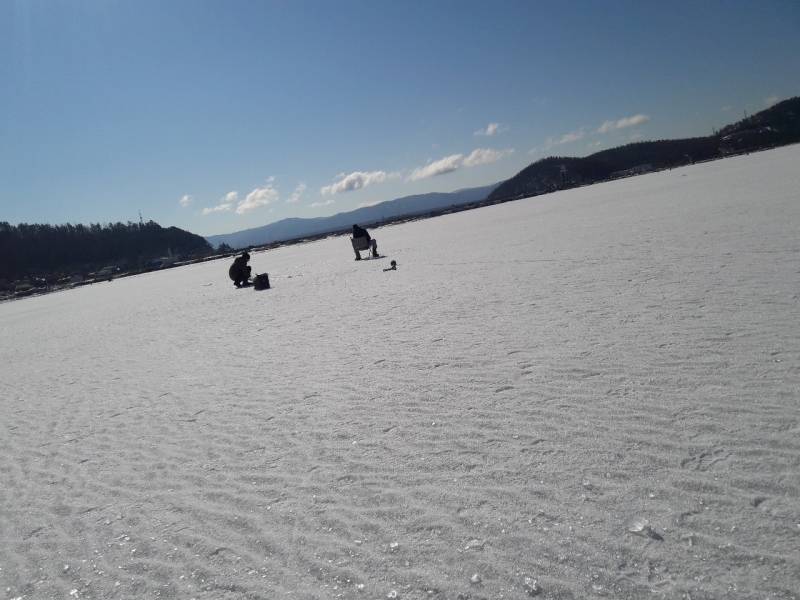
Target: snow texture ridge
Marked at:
587, 394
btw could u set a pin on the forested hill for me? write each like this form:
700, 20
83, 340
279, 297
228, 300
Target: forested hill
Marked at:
48, 250
559, 172
776, 126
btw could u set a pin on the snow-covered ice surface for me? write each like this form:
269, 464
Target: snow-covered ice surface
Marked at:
587, 394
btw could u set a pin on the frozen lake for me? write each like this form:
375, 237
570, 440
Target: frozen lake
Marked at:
596, 389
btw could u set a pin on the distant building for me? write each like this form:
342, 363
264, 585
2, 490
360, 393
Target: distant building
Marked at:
106, 273
748, 139
637, 170
161, 263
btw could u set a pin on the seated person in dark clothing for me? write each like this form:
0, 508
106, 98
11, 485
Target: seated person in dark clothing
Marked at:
240, 270
360, 232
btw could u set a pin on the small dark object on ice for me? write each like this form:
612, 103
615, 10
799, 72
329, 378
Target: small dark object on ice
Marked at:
261, 282
393, 267
641, 527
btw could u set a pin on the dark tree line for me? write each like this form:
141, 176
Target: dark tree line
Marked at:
783, 119
660, 153
32, 250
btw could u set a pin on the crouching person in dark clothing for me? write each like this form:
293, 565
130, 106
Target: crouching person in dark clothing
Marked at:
240, 270
359, 233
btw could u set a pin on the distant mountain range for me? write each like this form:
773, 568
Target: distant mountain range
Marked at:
776, 126
288, 229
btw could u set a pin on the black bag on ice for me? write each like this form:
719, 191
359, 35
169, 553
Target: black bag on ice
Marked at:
261, 282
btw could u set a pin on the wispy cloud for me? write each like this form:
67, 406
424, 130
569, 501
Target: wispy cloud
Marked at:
484, 156
185, 200
322, 203
370, 203
448, 164
491, 129
260, 196
355, 181
622, 123
572, 136
226, 204
217, 208
297, 193
727, 108
771, 101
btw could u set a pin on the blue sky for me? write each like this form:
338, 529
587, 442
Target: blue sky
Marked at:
219, 116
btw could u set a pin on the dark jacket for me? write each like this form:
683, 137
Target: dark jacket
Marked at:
359, 232
239, 270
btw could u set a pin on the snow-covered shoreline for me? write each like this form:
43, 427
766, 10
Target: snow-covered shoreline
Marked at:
542, 390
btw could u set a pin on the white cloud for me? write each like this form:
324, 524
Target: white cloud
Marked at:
632, 121
572, 136
217, 208
607, 126
260, 196
370, 203
225, 204
297, 193
490, 129
623, 123
448, 164
727, 108
322, 203
355, 181
185, 200
483, 156
771, 101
